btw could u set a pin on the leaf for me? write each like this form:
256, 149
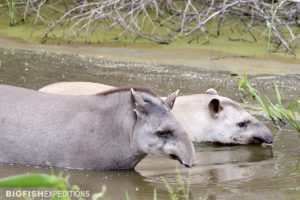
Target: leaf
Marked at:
99, 195
278, 95
154, 194
298, 105
126, 195
292, 110
243, 81
31, 180
171, 191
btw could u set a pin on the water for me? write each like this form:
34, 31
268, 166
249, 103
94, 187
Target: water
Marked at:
222, 172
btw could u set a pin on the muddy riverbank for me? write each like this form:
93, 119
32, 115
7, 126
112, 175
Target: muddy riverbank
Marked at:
199, 57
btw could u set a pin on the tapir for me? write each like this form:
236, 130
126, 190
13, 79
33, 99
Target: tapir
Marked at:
206, 117
106, 131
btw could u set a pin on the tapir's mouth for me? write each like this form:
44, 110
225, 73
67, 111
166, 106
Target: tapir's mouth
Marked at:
258, 140
174, 157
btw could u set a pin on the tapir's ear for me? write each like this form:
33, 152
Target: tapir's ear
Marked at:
211, 91
139, 103
214, 107
170, 100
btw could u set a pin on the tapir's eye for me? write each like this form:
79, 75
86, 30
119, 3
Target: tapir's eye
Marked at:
243, 124
164, 134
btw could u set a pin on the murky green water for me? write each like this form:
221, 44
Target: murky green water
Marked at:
223, 172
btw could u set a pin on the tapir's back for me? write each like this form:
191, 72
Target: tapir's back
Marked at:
36, 127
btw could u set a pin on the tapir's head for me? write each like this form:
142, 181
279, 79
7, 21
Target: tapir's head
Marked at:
157, 131
234, 125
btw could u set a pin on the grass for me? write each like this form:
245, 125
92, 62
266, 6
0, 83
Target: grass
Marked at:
38, 11
26, 11
275, 112
11, 4
184, 190
34, 33
180, 193
57, 183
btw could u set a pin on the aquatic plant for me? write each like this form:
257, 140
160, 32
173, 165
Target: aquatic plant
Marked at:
57, 183
180, 193
166, 21
26, 11
60, 184
275, 112
11, 4
38, 11
184, 190
154, 195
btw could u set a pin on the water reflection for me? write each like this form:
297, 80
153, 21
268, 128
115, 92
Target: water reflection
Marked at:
215, 163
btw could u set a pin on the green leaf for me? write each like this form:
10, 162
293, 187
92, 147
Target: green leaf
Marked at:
99, 195
31, 180
243, 81
292, 110
298, 105
126, 195
278, 95
154, 194
171, 191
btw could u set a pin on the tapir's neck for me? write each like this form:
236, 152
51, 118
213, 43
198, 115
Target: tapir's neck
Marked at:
192, 111
119, 105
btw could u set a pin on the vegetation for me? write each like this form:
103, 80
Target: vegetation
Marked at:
59, 184
276, 112
274, 22
11, 4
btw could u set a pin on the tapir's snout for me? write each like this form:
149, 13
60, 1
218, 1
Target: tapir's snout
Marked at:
185, 153
260, 140
183, 162
264, 135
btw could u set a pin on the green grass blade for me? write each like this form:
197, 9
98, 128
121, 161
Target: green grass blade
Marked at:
242, 81
278, 96
26, 11
100, 194
179, 180
171, 192
275, 108
126, 195
298, 105
31, 180
154, 194
38, 11
292, 110
273, 111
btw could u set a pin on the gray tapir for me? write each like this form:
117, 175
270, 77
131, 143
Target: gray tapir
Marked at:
213, 118
207, 117
111, 130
